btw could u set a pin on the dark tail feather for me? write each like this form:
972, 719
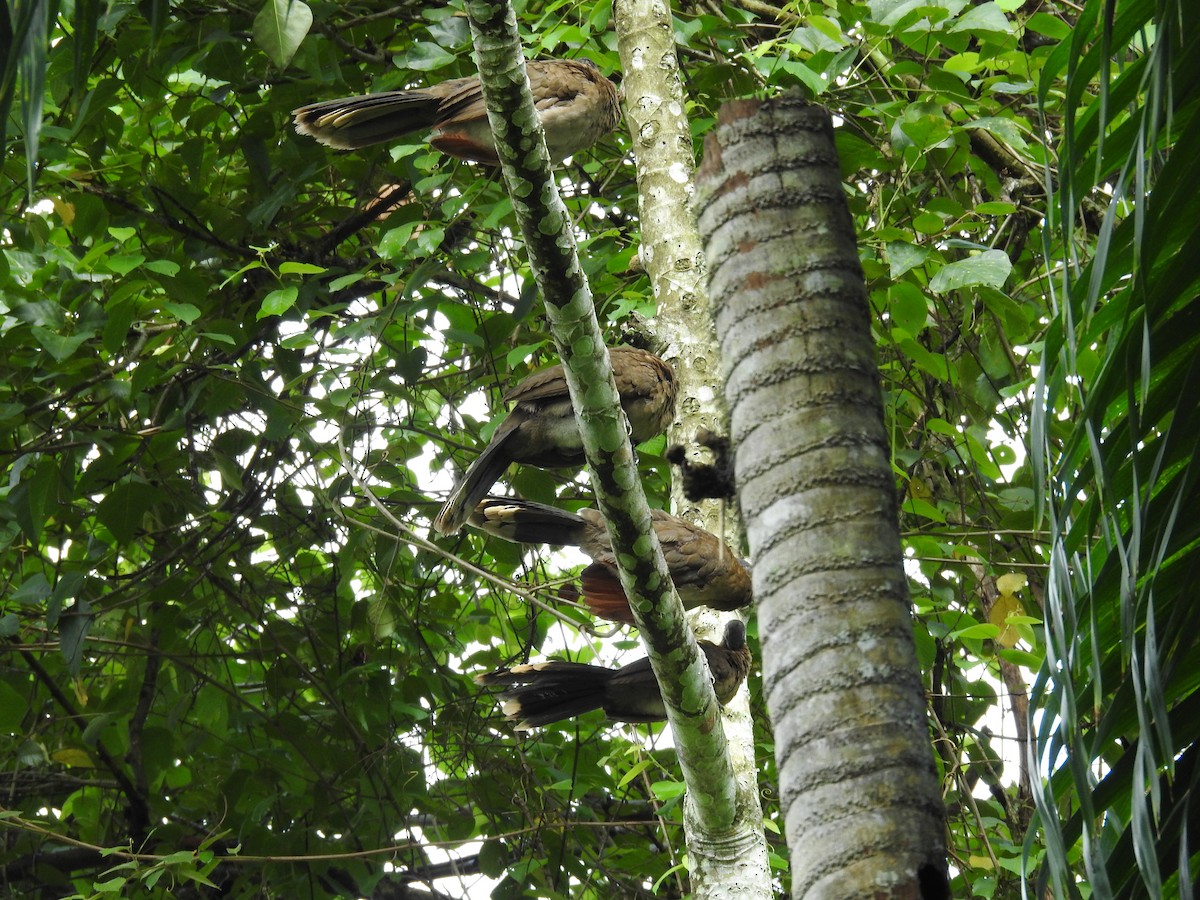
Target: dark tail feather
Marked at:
541, 693
481, 475
603, 594
526, 522
349, 123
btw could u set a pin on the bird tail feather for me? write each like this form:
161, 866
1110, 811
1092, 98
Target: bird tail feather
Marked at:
526, 522
540, 693
350, 123
603, 594
484, 472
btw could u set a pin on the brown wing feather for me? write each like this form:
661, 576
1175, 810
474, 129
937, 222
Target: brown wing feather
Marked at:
461, 99
545, 384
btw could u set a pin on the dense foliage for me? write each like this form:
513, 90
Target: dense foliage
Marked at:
239, 372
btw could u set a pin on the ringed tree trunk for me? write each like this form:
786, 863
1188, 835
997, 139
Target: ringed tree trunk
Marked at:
862, 810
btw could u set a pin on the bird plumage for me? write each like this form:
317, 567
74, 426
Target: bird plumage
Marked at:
577, 106
541, 429
540, 693
706, 572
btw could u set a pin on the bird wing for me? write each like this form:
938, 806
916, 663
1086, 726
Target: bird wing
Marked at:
704, 568
551, 82
461, 100
545, 384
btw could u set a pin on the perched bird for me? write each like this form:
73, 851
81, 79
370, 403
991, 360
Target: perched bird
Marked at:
705, 571
576, 103
541, 429
541, 693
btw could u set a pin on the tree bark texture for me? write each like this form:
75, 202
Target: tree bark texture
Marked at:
726, 860
863, 814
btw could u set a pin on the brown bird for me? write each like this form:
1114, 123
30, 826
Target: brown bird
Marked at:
705, 571
541, 429
541, 693
576, 103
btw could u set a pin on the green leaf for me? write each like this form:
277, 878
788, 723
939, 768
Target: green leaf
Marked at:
1003, 128
986, 17
426, 56
124, 509
74, 625
123, 263
13, 706
67, 587
903, 256
33, 498
908, 309
61, 346
1050, 26
634, 771
33, 590
492, 859
280, 27
166, 267
962, 62
992, 268
980, 631
279, 301
667, 790
185, 312
300, 268
344, 281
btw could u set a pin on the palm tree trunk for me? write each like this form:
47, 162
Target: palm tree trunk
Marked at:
863, 814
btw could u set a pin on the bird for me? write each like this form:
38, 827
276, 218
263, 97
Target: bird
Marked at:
575, 102
541, 429
705, 570
540, 693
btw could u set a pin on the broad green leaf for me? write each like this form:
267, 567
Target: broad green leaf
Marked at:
667, 790
278, 301
61, 346
424, 56
125, 507
903, 256
185, 312
13, 706
983, 18
124, 263
976, 632
992, 268
280, 27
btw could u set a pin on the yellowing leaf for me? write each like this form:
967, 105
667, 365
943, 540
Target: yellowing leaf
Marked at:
65, 210
919, 490
74, 758
1006, 605
1011, 583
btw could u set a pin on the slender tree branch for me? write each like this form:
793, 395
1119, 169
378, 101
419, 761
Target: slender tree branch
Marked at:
686, 686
